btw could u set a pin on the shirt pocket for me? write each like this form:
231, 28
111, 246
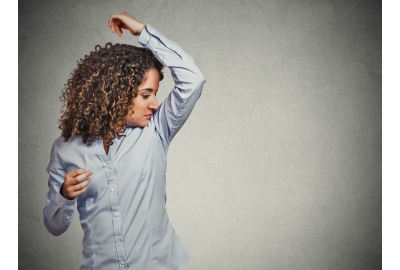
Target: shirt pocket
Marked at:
97, 187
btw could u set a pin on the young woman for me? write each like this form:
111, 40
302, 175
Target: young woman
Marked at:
111, 157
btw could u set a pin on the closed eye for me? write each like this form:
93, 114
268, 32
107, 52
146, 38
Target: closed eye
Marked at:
147, 92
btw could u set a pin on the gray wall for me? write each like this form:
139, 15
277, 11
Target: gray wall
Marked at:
279, 165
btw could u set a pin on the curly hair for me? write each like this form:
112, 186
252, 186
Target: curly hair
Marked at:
100, 91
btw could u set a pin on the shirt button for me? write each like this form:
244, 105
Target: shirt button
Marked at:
108, 166
116, 214
122, 262
112, 189
68, 217
148, 38
119, 238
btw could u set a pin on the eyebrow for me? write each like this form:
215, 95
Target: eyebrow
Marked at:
147, 89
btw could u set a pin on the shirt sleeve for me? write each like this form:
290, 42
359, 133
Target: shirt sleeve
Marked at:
58, 213
189, 80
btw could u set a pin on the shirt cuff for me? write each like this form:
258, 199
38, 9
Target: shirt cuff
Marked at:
61, 201
145, 36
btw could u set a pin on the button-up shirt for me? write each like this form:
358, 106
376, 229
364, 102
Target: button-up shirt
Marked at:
122, 212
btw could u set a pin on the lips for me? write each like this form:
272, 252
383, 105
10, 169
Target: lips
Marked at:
148, 116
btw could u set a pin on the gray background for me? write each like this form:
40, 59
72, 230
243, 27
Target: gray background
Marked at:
279, 165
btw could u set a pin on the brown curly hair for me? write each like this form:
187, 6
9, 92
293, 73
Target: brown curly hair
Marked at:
100, 91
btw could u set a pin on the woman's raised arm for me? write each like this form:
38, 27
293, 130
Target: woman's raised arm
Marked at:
189, 80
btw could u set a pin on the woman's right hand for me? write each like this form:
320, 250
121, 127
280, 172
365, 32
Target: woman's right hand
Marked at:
73, 183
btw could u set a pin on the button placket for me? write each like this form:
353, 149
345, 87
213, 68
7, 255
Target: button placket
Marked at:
115, 207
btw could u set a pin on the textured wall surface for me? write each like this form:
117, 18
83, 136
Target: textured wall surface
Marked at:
279, 165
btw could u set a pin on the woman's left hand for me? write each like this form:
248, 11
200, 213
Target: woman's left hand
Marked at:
117, 22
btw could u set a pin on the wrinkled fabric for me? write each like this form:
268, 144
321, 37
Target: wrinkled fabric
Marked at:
122, 212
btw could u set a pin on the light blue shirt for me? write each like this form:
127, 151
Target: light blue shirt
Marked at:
122, 212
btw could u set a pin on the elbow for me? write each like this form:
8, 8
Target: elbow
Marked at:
52, 227
198, 85
200, 80
54, 231
197, 77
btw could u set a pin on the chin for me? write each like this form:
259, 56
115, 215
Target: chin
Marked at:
141, 125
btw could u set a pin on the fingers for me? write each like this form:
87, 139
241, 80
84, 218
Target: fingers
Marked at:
75, 183
111, 23
76, 193
80, 186
75, 172
118, 29
72, 191
78, 175
82, 176
115, 23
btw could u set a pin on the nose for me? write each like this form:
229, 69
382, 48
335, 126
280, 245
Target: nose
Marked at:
154, 104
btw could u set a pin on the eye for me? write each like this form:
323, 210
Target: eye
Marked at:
145, 96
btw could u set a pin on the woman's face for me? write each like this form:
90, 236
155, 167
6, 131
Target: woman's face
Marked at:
145, 103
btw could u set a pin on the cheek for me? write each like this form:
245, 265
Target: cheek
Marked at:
139, 104
134, 105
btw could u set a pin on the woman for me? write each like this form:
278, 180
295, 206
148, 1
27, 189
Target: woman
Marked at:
111, 157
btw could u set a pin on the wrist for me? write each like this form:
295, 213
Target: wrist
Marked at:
63, 194
141, 28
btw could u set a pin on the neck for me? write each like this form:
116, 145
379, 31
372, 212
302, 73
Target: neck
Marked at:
106, 147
